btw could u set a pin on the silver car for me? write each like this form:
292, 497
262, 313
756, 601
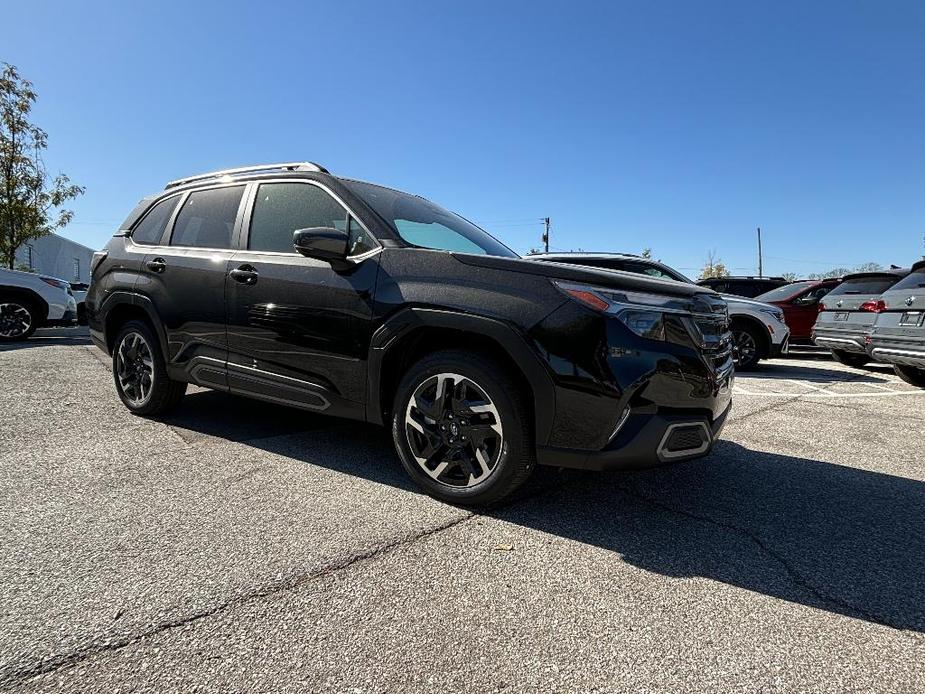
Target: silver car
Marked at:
847, 314
898, 335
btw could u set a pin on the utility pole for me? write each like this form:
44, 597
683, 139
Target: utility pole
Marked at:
760, 265
546, 233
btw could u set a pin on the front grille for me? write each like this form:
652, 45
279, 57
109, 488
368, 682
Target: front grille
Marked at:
712, 332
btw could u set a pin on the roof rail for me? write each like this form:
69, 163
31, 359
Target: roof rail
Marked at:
287, 166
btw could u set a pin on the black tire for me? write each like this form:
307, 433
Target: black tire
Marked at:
850, 358
741, 333
912, 375
14, 311
512, 451
163, 393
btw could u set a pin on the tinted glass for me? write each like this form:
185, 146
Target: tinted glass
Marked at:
151, 227
914, 281
785, 292
422, 223
282, 208
206, 219
655, 271
865, 285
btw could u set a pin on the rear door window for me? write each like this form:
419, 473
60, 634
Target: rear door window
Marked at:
207, 217
151, 228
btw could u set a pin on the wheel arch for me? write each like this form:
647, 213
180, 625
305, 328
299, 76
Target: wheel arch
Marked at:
764, 340
415, 332
30, 295
121, 307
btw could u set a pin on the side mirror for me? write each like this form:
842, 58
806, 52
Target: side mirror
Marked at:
322, 243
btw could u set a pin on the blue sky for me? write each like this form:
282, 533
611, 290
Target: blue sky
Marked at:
678, 126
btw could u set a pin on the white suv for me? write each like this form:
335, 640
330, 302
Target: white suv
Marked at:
758, 329
29, 301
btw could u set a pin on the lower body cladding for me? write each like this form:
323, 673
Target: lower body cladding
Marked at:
640, 404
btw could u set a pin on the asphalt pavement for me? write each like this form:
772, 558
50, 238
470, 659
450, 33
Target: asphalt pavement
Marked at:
238, 546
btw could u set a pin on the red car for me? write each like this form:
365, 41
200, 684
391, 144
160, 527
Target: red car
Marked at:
800, 303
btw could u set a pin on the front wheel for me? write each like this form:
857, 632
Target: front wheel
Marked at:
745, 352
462, 429
140, 372
18, 319
912, 375
849, 358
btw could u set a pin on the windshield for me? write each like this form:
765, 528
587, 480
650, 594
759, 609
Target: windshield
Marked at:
785, 292
424, 224
865, 285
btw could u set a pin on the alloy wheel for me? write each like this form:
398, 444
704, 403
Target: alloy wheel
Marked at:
15, 320
454, 430
744, 347
135, 368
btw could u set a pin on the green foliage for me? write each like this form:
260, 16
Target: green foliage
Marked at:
713, 267
647, 253
30, 202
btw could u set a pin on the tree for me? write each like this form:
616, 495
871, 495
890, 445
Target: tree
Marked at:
30, 203
790, 276
713, 267
868, 267
647, 253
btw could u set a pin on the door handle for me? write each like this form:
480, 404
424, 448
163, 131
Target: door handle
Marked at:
156, 265
246, 274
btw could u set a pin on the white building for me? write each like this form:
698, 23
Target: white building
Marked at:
56, 256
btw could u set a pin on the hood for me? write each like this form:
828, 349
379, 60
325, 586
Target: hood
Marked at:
742, 301
611, 279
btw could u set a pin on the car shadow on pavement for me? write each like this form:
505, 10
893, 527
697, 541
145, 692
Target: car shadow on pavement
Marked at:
832, 537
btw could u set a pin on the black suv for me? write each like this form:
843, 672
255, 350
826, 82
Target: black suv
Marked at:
749, 287
288, 284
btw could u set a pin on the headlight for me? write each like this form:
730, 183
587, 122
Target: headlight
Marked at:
642, 313
776, 312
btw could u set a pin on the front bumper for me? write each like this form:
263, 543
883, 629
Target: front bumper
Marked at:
780, 349
67, 320
643, 442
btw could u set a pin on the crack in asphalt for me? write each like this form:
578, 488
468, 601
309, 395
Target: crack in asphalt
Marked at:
17, 677
795, 576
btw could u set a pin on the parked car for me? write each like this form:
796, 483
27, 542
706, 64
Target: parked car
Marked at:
800, 302
848, 312
29, 301
746, 286
288, 284
758, 329
79, 290
898, 335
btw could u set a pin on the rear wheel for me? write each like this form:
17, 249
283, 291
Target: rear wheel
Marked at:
746, 342
849, 358
912, 375
462, 430
19, 318
140, 372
